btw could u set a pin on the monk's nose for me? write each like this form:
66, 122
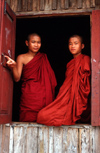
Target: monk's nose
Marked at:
36, 44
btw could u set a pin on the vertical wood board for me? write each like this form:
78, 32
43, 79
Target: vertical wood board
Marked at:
95, 45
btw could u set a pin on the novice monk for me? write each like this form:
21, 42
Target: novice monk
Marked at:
38, 79
71, 103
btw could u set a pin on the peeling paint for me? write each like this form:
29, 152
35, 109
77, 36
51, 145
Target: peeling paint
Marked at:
7, 34
94, 60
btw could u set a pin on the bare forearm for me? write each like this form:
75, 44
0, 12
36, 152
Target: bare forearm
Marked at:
16, 75
16, 67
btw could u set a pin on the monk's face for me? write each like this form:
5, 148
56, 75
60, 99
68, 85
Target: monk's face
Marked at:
75, 46
34, 44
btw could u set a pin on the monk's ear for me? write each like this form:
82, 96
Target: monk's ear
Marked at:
26, 42
83, 46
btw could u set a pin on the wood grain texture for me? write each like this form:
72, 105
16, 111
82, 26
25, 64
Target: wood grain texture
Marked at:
5, 139
19, 5
37, 138
31, 140
42, 5
24, 5
54, 4
29, 5
72, 3
66, 4
50, 6
92, 2
79, 4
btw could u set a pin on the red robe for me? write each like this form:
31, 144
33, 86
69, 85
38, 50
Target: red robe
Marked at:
73, 97
38, 87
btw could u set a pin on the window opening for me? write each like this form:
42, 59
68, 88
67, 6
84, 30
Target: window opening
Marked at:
54, 32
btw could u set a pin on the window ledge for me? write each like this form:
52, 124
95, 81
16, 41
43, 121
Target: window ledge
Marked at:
33, 124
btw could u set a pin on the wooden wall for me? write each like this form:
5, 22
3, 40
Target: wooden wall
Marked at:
35, 138
33, 7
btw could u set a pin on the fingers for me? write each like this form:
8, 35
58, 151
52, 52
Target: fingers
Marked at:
10, 62
7, 57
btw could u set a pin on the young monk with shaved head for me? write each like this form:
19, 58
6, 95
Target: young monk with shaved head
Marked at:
72, 104
38, 79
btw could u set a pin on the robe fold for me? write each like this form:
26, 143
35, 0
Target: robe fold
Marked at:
38, 87
73, 98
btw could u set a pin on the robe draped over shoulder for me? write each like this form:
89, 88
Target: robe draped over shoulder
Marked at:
73, 97
38, 87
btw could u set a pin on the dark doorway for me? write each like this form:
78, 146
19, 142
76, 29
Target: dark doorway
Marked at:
54, 32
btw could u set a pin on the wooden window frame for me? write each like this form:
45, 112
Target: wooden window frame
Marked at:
95, 61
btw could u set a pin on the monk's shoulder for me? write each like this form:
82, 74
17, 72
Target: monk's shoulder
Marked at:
44, 55
85, 63
86, 59
21, 58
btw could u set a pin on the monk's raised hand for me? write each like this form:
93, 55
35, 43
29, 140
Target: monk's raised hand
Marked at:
10, 62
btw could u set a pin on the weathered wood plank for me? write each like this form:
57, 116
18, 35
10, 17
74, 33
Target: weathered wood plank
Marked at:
29, 5
65, 145
96, 142
66, 4
84, 4
13, 4
46, 139
54, 4
11, 141
59, 5
92, 141
87, 3
51, 140
62, 4
19, 139
19, 5
72, 3
84, 143
33, 138
72, 140
92, 3
42, 5
48, 5
24, 5
5, 139
79, 4
97, 2
58, 133
35, 5
43, 140
31, 141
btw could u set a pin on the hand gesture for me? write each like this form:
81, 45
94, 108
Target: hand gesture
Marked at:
10, 62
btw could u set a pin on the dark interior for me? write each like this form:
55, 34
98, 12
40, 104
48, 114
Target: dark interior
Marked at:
54, 32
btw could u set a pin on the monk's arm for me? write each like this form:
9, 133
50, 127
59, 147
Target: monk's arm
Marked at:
16, 67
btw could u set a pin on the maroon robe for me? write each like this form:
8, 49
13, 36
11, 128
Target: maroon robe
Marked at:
38, 87
72, 100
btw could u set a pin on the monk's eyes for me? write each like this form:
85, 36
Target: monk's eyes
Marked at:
39, 42
73, 44
36, 42
33, 41
76, 43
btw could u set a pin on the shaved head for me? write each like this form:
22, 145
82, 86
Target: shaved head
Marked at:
32, 34
77, 36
